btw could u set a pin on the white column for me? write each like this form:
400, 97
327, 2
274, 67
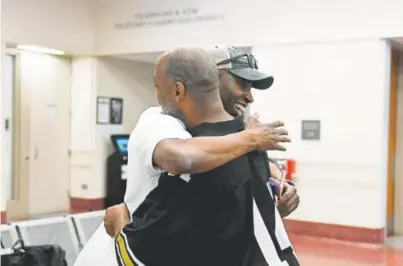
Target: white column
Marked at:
86, 190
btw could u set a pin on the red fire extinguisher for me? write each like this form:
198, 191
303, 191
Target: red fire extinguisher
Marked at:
290, 169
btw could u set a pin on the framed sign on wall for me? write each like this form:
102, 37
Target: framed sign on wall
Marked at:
116, 111
109, 110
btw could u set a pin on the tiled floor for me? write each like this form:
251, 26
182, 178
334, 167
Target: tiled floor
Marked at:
325, 252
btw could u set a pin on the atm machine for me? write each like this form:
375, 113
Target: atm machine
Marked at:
116, 171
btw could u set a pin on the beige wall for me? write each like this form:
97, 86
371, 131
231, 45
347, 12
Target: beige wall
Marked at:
262, 22
62, 24
91, 145
87, 27
342, 177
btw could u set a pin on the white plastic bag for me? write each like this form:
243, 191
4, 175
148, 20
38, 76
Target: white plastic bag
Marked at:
99, 250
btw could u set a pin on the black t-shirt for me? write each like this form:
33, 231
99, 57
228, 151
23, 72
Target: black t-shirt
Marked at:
206, 221
225, 198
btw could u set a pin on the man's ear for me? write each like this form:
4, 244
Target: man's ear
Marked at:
179, 91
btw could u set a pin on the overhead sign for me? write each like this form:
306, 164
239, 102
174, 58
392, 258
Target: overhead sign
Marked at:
168, 17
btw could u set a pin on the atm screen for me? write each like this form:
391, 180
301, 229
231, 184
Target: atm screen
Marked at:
121, 143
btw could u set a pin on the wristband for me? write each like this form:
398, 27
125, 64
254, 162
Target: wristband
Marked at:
275, 186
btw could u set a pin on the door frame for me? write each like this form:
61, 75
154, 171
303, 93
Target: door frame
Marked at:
398, 178
391, 172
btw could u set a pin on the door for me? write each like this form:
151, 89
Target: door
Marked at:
17, 204
46, 79
392, 142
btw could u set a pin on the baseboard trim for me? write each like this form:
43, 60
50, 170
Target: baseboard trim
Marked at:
79, 205
334, 231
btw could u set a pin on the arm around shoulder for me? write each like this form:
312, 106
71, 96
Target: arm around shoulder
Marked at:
201, 154
162, 142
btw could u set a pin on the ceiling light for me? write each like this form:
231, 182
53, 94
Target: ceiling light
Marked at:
39, 49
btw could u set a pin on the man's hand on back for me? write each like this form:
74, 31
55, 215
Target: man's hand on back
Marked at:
116, 217
268, 136
289, 201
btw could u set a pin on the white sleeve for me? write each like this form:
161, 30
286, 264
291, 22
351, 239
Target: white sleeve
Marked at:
152, 127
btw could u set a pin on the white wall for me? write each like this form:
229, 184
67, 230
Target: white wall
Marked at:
132, 82
260, 22
342, 83
342, 177
129, 80
87, 27
63, 24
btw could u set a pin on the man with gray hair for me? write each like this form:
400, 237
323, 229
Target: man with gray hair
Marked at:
206, 218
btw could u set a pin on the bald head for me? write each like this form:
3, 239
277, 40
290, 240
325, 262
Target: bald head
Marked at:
186, 80
193, 67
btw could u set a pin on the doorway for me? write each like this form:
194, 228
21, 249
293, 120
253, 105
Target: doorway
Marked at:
41, 136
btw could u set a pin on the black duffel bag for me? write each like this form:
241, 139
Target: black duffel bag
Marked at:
43, 255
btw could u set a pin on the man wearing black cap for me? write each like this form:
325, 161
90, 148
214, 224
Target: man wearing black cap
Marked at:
238, 73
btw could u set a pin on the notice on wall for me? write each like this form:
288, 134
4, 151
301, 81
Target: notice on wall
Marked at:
168, 17
103, 110
310, 130
51, 110
109, 110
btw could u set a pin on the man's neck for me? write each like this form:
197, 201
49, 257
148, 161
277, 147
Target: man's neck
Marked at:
214, 113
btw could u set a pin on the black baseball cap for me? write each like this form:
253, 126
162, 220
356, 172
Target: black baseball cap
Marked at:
242, 65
